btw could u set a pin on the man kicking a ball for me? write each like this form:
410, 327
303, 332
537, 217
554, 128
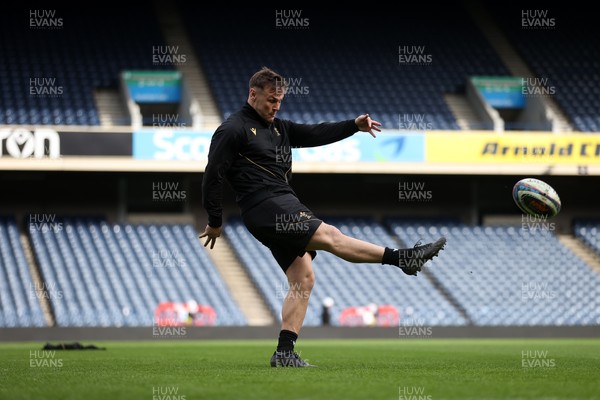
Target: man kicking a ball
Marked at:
246, 150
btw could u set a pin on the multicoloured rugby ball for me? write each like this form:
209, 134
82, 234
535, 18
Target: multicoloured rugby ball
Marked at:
536, 197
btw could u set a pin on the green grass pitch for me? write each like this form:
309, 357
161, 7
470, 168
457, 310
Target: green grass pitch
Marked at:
419, 369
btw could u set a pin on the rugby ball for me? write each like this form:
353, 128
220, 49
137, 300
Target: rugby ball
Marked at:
536, 197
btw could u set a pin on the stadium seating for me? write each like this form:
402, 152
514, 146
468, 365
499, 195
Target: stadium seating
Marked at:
348, 284
486, 276
507, 275
338, 70
588, 231
89, 51
116, 275
19, 305
565, 56
99, 274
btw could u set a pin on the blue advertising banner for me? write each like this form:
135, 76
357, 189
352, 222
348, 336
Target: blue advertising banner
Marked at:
187, 145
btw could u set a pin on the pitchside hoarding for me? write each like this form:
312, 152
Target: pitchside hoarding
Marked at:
186, 145
48, 143
419, 152
513, 148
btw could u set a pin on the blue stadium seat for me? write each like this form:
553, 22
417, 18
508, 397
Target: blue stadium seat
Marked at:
340, 83
112, 275
81, 58
19, 304
567, 56
507, 275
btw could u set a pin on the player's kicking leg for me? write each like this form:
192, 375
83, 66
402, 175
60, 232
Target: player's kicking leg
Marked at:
410, 260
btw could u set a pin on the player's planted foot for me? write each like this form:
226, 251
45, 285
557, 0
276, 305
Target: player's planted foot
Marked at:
288, 359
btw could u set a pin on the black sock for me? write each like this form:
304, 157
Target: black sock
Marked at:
287, 340
391, 257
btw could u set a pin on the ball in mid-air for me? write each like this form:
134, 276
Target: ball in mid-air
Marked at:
536, 197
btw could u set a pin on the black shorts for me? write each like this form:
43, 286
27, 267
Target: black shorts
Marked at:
284, 225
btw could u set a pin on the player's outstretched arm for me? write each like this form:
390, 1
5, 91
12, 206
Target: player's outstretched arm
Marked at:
311, 135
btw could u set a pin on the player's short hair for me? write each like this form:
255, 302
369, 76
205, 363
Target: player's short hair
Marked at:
267, 77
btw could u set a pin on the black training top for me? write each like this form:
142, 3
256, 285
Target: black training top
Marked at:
256, 157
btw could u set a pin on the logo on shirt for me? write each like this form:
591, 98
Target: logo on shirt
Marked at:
276, 131
304, 214
253, 130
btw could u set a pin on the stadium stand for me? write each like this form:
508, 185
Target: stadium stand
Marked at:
350, 285
588, 231
506, 275
116, 275
19, 305
318, 61
95, 273
564, 55
70, 61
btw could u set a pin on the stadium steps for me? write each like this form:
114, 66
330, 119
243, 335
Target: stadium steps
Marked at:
587, 254
239, 284
110, 107
463, 112
194, 77
38, 282
508, 54
448, 295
